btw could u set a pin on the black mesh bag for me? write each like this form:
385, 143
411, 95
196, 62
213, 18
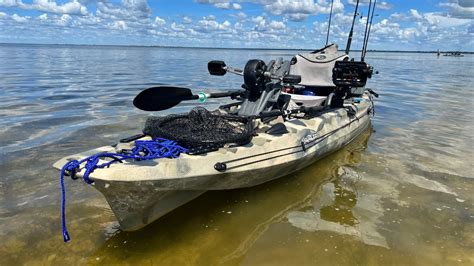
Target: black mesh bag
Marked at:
200, 128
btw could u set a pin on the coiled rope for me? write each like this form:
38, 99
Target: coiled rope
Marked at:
143, 150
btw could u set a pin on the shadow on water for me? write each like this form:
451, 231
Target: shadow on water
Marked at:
229, 222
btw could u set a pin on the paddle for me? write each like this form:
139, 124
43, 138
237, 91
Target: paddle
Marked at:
164, 97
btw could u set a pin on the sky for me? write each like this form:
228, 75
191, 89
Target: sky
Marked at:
298, 24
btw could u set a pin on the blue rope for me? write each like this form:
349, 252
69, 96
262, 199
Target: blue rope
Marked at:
143, 150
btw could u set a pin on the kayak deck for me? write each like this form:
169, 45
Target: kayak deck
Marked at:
140, 192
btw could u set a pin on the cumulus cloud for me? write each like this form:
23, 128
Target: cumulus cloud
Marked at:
128, 10
43, 17
209, 24
159, 21
444, 21
19, 19
431, 19
228, 5
222, 4
276, 24
187, 20
470, 29
118, 25
240, 16
263, 24
299, 10
9, 3
384, 5
64, 20
431, 30
295, 10
380, 4
415, 14
73, 7
177, 27
460, 8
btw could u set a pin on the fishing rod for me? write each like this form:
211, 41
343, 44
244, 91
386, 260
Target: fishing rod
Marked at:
329, 24
365, 33
366, 41
349, 40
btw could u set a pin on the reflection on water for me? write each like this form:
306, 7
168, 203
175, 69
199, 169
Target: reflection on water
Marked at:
399, 196
340, 211
228, 223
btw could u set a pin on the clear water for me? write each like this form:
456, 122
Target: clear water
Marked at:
401, 194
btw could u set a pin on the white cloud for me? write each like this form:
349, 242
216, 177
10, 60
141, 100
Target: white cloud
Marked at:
73, 7
301, 9
444, 21
64, 20
424, 30
89, 20
187, 20
159, 21
383, 5
380, 4
274, 26
277, 25
268, 26
414, 13
9, 3
460, 8
19, 19
43, 17
437, 19
177, 27
222, 4
209, 23
118, 25
228, 5
240, 15
130, 10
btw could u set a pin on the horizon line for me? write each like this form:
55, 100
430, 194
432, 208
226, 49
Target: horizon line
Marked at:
228, 48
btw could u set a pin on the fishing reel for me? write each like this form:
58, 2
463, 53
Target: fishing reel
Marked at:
349, 77
351, 73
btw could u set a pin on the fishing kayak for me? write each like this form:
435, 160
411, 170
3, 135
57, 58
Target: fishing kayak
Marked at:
140, 192
282, 121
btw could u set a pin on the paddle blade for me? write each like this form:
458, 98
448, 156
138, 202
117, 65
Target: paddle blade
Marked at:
161, 98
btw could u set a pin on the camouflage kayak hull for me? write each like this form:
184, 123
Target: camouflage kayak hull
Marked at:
140, 192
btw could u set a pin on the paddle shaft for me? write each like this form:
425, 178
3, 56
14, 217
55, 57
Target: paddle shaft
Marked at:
203, 95
221, 94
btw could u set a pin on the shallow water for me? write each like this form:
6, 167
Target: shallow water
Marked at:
401, 194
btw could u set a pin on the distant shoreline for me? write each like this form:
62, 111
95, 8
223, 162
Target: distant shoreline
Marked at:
222, 48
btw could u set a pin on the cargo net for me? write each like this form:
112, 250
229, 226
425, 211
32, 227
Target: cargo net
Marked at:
200, 128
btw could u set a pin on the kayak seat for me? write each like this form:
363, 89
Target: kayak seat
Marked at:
315, 69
